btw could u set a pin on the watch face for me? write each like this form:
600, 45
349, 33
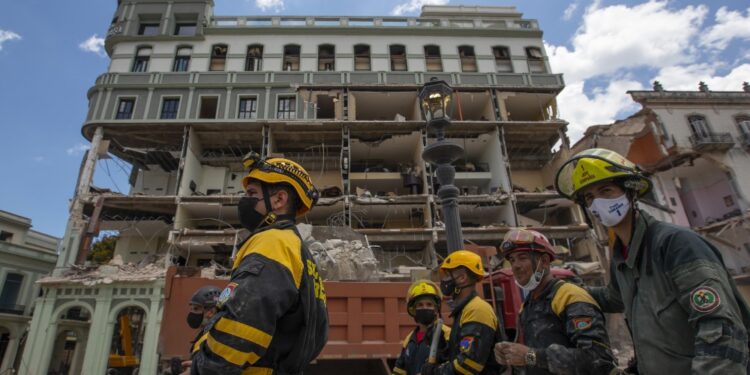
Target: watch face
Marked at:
530, 358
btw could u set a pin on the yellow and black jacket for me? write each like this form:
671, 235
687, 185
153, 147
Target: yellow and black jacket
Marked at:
414, 354
565, 327
272, 315
472, 339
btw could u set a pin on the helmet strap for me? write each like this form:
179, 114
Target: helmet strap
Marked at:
270, 215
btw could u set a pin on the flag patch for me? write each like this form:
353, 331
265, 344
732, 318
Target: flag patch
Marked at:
465, 344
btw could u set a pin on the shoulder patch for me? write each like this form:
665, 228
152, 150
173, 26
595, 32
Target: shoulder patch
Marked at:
704, 299
568, 294
226, 294
465, 345
582, 323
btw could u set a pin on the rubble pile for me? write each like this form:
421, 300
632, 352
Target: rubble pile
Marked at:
342, 256
114, 271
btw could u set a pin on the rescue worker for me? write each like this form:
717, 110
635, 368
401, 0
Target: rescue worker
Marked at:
474, 330
423, 304
683, 309
272, 315
202, 308
562, 327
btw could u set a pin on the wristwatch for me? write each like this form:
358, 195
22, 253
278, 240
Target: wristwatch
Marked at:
531, 358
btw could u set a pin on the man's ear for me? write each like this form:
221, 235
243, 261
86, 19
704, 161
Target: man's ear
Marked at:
280, 199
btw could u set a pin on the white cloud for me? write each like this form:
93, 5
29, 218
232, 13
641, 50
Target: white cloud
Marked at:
570, 11
39, 159
620, 37
6, 35
77, 149
415, 5
93, 44
582, 111
729, 25
275, 5
687, 77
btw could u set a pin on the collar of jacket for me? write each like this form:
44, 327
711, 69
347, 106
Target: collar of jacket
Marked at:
544, 293
636, 243
282, 222
461, 303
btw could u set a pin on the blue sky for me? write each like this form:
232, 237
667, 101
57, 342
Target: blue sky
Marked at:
50, 54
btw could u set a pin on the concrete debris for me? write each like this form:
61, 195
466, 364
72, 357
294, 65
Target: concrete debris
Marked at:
115, 271
340, 258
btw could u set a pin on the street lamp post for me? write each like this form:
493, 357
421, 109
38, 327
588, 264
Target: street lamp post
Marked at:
437, 107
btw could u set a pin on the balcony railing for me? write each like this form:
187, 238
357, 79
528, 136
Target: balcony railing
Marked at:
712, 141
380, 22
12, 309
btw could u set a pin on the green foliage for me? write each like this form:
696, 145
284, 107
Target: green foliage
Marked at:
103, 249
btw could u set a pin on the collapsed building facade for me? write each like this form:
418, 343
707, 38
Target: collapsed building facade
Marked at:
696, 147
188, 94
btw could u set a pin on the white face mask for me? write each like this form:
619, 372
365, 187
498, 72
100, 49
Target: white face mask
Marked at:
533, 282
610, 212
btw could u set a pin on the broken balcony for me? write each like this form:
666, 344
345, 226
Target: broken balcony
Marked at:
389, 212
521, 106
386, 166
473, 106
384, 106
708, 141
481, 170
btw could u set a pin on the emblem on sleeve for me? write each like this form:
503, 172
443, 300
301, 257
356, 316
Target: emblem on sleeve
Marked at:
466, 344
704, 299
226, 294
582, 323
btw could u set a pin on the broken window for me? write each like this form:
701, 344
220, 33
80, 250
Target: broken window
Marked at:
254, 59
503, 63
185, 28
169, 108
361, 57
148, 28
142, 57
743, 123
326, 57
218, 57
287, 107
11, 288
248, 108
398, 58
468, 59
536, 60
209, 105
125, 109
182, 59
432, 59
291, 57
699, 126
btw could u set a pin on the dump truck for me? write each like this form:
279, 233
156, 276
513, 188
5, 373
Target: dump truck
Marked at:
368, 320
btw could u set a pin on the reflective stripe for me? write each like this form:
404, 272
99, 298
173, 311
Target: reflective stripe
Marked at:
474, 365
461, 369
257, 371
399, 371
230, 354
243, 331
197, 344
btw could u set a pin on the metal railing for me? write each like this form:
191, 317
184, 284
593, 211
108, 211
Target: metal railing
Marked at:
711, 141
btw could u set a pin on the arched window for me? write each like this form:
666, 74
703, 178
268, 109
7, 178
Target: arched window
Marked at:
254, 59
326, 57
182, 59
142, 57
218, 57
291, 57
468, 59
398, 58
503, 63
362, 57
536, 60
433, 61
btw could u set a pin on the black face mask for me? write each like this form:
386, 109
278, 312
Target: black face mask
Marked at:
249, 217
448, 287
194, 320
425, 316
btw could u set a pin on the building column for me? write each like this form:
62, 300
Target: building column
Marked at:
35, 359
149, 355
97, 346
10, 352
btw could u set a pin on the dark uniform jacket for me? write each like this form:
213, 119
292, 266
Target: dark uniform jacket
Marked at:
684, 311
472, 339
566, 329
272, 315
415, 354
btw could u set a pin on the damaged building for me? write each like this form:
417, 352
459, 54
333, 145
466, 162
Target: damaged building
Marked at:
696, 147
189, 93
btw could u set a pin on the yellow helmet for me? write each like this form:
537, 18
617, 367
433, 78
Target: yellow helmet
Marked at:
422, 288
596, 165
465, 258
280, 170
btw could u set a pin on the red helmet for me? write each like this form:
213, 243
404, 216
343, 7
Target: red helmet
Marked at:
520, 239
